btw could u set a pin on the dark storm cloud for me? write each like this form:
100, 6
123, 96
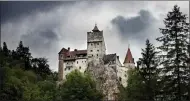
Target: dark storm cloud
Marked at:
133, 26
40, 40
11, 10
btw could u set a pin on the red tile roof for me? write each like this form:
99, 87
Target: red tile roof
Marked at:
129, 57
72, 54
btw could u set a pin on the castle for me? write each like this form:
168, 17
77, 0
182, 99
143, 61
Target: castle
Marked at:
96, 50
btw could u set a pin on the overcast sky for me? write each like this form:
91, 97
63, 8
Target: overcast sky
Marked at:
47, 27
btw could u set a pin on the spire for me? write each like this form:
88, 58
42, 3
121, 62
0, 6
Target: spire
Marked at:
129, 57
95, 28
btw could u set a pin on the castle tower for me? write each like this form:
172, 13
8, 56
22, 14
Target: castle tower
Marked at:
95, 44
61, 56
129, 60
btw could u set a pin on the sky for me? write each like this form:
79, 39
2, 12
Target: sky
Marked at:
47, 27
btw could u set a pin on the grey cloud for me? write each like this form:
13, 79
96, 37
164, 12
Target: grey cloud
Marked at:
41, 41
13, 10
133, 26
48, 29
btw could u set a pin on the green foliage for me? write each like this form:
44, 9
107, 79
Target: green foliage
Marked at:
135, 89
174, 48
149, 70
24, 78
79, 87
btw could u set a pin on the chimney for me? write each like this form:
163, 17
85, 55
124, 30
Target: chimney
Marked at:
68, 48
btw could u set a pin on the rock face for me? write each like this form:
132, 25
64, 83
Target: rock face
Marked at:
105, 77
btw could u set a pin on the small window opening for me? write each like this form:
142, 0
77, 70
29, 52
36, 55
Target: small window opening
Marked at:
120, 79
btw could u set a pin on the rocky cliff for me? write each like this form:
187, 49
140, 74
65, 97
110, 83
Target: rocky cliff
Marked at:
105, 77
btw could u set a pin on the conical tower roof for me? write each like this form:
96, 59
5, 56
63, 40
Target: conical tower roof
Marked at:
129, 57
95, 28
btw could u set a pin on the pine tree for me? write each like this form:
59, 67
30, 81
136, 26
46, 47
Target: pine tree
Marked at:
174, 50
5, 49
149, 71
24, 55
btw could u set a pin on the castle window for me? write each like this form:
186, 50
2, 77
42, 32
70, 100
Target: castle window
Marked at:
120, 79
91, 50
80, 67
65, 68
97, 43
97, 50
82, 61
92, 55
91, 44
97, 54
125, 75
77, 62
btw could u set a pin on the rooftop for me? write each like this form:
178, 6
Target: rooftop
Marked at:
129, 57
109, 57
95, 28
72, 54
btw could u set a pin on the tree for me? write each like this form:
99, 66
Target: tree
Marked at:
5, 49
149, 70
40, 66
135, 89
79, 87
174, 50
24, 55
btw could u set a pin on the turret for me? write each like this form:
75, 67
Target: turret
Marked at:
129, 60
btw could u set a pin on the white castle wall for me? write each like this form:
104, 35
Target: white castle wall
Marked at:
68, 66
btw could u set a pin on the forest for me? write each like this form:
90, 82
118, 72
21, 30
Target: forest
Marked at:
162, 73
